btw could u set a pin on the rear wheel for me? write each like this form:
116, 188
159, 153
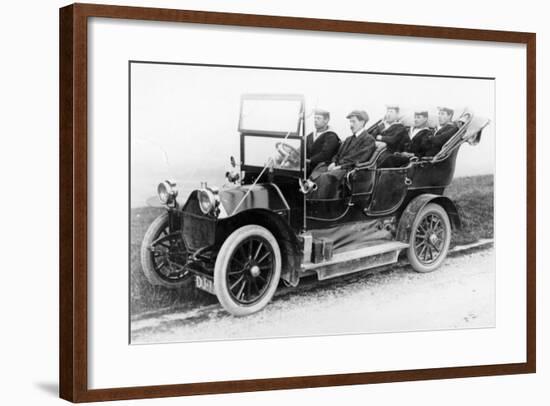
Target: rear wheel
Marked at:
163, 255
430, 238
247, 270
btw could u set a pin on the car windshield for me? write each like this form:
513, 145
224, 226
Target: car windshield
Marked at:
279, 153
270, 115
271, 128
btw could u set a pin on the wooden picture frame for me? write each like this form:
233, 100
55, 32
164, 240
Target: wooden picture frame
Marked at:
73, 198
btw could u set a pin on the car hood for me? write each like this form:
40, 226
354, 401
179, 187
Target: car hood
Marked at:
246, 197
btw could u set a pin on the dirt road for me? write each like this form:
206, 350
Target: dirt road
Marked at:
461, 294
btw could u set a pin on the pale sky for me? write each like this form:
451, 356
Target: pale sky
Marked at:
185, 118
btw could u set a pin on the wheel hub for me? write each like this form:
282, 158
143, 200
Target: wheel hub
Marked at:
433, 239
254, 270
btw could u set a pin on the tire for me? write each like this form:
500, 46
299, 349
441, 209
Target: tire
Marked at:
247, 270
163, 256
430, 238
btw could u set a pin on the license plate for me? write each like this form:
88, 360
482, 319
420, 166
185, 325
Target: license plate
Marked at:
204, 283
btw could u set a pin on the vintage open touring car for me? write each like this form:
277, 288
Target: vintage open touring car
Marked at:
240, 242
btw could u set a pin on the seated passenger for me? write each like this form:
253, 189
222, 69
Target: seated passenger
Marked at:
447, 128
323, 143
418, 146
327, 179
391, 132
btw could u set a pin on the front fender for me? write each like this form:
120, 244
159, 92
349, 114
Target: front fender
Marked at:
278, 226
413, 208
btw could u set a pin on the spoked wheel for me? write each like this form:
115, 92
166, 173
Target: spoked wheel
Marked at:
163, 255
430, 238
247, 270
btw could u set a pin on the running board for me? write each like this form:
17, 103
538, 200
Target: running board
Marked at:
357, 260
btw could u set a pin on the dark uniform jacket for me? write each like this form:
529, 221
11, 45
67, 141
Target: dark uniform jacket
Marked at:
355, 149
323, 148
440, 137
420, 143
396, 136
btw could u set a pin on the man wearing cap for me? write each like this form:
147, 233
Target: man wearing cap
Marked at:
391, 132
446, 129
358, 147
326, 180
323, 143
420, 135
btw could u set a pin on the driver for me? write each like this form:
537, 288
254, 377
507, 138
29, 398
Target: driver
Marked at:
359, 147
323, 143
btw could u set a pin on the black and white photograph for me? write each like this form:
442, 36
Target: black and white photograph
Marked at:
275, 202
278, 202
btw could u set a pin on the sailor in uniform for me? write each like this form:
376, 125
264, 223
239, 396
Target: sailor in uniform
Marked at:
446, 129
419, 145
321, 144
391, 132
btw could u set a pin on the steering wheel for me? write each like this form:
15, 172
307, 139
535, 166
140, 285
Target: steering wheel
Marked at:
289, 154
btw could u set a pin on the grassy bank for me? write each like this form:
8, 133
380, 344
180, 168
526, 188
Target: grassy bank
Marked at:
473, 196
143, 296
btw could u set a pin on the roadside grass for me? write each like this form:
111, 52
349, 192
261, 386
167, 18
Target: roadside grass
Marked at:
473, 196
145, 297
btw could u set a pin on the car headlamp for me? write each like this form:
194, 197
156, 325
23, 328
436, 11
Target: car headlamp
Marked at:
207, 200
167, 192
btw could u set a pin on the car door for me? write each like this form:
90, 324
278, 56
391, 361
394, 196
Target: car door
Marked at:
390, 189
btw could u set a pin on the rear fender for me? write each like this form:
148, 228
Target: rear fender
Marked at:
416, 205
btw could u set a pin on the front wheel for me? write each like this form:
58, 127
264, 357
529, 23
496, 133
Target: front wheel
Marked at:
163, 255
430, 238
247, 270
